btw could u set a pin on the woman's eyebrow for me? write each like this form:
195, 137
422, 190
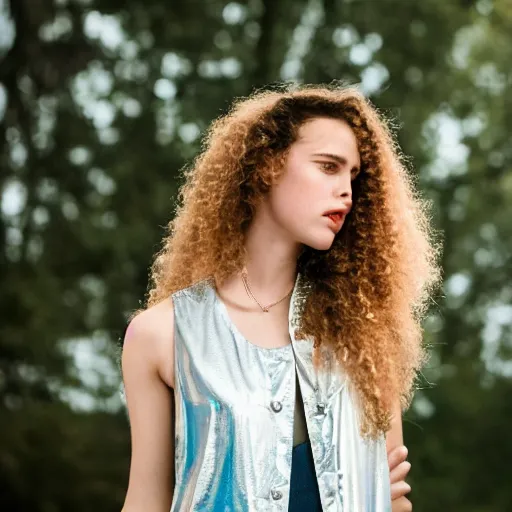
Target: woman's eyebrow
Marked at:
340, 159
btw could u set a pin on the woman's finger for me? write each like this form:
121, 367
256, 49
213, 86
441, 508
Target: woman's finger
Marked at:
400, 472
399, 489
397, 456
401, 505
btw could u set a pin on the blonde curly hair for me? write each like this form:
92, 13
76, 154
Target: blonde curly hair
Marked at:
370, 290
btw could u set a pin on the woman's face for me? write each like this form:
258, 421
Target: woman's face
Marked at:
317, 178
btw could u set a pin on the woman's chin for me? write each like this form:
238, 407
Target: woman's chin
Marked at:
320, 243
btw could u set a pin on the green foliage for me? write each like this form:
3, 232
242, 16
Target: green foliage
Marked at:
104, 104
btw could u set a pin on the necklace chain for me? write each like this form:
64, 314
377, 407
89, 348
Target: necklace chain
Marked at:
249, 292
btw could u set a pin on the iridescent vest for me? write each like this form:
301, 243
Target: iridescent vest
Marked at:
234, 418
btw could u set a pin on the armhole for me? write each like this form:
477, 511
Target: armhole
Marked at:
174, 340
164, 369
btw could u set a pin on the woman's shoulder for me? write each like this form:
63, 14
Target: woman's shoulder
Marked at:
149, 339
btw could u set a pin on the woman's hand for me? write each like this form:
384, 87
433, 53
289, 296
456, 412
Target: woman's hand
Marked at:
398, 470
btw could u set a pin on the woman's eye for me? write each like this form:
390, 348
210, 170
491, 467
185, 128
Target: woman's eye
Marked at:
328, 166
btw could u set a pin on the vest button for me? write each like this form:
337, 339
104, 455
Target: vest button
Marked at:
276, 495
320, 407
276, 406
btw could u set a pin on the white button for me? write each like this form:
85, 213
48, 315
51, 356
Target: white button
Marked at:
276, 406
276, 495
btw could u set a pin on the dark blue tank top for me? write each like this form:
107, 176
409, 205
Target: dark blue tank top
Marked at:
304, 493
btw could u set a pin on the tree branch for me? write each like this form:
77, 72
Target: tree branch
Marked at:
264, 49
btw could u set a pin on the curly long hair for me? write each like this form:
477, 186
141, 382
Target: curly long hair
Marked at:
370, 291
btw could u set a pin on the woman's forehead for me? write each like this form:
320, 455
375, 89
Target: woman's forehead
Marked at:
327, 136
324, 129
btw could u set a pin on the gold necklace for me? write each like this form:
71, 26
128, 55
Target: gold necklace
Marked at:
249, 292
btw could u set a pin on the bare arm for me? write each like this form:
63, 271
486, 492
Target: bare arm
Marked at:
395, 436
148, 374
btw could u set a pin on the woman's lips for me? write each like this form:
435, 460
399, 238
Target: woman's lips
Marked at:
336, 219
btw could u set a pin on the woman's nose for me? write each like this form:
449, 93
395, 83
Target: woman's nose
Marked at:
346, 194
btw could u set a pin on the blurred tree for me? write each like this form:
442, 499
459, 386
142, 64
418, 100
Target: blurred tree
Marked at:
103, 104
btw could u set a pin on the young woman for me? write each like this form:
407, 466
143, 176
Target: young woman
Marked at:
281, 338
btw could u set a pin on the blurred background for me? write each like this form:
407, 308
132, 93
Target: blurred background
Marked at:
102, 103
